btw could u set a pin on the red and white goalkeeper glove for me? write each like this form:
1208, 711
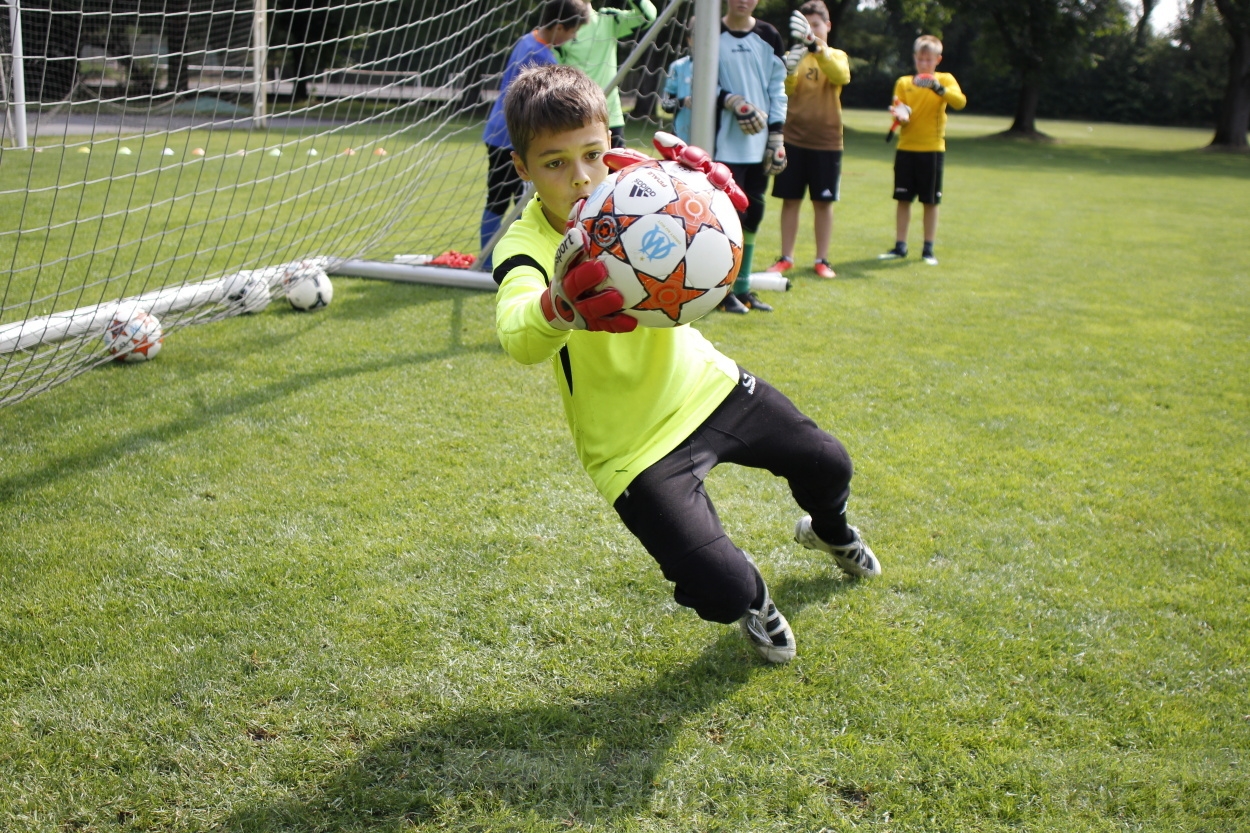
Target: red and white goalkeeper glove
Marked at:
902, 114
688, 156
697, 159
749, 117
928, 81
574, 301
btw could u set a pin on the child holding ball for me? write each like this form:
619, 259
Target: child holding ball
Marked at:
653, 410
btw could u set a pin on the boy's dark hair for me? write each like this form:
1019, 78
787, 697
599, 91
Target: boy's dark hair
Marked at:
548, 99
816, 7
567, 13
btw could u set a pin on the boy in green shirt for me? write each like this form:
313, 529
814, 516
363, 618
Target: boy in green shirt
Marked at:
652, 410
594, 52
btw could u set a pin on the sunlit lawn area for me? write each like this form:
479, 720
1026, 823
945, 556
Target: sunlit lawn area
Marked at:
340, 571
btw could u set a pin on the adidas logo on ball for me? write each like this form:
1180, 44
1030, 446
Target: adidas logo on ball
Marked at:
640, 189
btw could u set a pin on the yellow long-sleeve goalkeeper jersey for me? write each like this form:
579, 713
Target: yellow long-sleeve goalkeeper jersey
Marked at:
926, 131
814, 119
629, 398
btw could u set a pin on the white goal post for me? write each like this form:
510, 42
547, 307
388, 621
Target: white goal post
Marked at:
155, 153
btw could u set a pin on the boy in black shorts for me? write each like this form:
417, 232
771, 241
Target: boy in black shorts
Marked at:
920, 103
815, 75
653, 410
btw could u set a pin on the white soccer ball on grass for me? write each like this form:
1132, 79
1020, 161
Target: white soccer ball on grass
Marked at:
307, 286
134, 335
246, 292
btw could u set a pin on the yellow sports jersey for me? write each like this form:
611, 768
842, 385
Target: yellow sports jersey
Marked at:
814, 120
926, 131
629, 398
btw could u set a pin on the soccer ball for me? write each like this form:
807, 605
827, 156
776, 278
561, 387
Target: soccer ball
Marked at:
671, 241
247, 293
307, 286
134, 335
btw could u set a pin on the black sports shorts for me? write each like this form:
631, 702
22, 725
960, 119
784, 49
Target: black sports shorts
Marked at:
818, 172
503, 184
918, 174
753, 181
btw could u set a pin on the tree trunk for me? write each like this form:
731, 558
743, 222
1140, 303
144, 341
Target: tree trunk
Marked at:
176, 28
1024, 126
1234, 118
837, 11
1141, 35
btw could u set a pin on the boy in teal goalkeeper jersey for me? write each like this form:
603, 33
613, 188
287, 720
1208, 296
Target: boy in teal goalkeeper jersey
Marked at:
594, 52
652, 410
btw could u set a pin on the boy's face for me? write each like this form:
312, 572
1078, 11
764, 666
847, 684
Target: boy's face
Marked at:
927, 61
820, 27
742, 8
565, 167
561, 34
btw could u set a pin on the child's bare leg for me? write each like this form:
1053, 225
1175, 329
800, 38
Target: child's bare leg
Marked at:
824, 228
930, 223
789, 226
902, 219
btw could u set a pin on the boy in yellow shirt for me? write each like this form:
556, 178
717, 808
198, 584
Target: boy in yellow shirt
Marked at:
653, 410
815, 76
920, 103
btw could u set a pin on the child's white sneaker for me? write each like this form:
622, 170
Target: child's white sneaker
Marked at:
855, 558
768, 631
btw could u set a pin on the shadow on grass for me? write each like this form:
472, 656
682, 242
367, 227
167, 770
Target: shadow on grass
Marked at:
863, 268
379, 296
592, 759
208, 411
996, 152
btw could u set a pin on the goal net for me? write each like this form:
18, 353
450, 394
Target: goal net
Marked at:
179, 155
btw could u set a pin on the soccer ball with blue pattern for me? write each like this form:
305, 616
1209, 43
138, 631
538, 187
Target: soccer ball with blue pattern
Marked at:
671, 241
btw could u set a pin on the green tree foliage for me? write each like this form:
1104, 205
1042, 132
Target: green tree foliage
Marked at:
1039, 40
1124, 72
1172, 79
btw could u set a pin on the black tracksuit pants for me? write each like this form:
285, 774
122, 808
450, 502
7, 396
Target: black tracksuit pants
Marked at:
669, 511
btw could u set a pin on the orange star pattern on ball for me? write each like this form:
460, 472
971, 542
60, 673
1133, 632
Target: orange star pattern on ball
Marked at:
613, 246
693, 209
668, 295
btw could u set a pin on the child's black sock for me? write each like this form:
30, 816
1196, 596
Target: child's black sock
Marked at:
901, 247
928, 249
760, 592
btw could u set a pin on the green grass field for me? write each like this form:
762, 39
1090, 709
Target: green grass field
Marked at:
102, 225
341, 571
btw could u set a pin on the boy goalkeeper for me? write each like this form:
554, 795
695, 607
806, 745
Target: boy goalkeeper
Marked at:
652, 411
816, 75
920, 103
751, 74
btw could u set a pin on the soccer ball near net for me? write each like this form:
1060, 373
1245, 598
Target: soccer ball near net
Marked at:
671, 241
134, 335
307, 286
247, 293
